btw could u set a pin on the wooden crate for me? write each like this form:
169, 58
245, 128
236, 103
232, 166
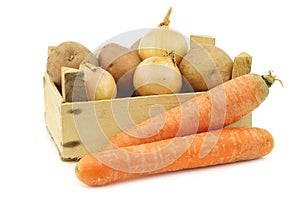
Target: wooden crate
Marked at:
78, 128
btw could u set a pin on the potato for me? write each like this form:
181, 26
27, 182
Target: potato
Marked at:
186, 86
135, 45
121, 63
91, 58
206, 66
67, 54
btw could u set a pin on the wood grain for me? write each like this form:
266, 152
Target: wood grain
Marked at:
201, 39
242, 64
73, 87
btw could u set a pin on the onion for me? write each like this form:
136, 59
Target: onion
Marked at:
162, 39
99, 83
157, 75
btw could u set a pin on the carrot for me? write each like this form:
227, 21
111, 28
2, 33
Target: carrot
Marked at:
198, 150
214, 109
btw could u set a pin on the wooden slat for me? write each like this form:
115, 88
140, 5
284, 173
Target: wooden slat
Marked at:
90, 124
241, 65
73, 87
51, 49
201, 39
53, 101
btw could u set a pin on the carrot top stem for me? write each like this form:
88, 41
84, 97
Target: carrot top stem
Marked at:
270, 79
166, 21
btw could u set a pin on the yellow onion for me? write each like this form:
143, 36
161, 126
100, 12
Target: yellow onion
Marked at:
99, 83
157, 75
162, 39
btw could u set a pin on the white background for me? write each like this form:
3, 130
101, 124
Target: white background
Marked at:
30, 166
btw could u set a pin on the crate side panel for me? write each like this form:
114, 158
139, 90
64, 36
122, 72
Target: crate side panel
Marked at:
246, 121
52, 115
87, 126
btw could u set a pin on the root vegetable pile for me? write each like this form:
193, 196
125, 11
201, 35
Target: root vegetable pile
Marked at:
191, 135
200, 67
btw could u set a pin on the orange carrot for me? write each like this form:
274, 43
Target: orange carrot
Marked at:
214, 109
198, 150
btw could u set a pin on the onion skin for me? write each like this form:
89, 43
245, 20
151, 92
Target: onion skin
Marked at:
160, 40
157, 75
99, 83
163, 39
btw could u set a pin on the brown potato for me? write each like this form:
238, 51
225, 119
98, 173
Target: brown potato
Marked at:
206, 66
92, 59
135, 45
121, 63
67, 54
